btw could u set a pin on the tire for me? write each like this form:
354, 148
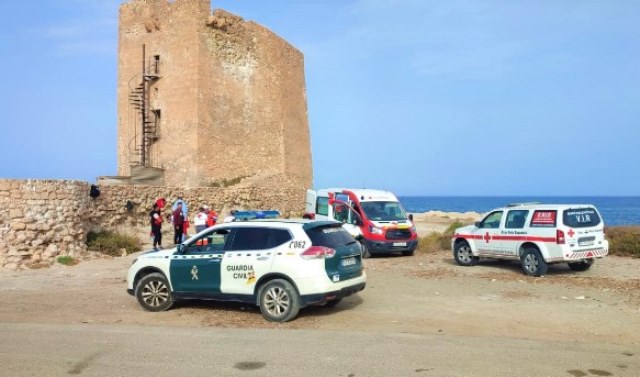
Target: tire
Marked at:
532, 262
153, 293
463, 255
581, 266
332, 303
408, 253
365, 251
279, 301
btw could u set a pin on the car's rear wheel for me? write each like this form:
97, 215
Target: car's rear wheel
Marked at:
581, 266
463, 255
153, 293
532, 262
279, 301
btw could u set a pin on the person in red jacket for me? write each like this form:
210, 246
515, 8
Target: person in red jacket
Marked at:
212, 216
178, 224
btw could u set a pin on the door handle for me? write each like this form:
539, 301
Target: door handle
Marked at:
263, 258
215, 260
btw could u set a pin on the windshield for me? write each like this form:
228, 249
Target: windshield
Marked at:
384, 211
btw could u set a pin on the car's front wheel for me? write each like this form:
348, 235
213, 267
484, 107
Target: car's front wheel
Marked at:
463, 255
153, 293
279, 301
581, 266
532, 262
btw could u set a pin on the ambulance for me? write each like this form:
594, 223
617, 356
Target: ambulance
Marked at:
536, 235
374, 217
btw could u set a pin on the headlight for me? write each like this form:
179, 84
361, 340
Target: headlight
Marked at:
375, 230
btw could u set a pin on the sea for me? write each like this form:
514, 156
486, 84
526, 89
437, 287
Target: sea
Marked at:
615, 210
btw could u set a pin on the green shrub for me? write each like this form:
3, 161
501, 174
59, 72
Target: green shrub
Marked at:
112, 243
67, 260
624, 240
435, 242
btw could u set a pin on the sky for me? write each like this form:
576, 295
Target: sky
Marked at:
475, 98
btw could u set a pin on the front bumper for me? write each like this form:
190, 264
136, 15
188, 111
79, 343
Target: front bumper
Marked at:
390, 246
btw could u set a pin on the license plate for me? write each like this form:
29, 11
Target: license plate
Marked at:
399, 244
349, 261
585, 243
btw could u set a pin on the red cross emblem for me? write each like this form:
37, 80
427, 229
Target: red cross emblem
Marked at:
487, 237
571, 233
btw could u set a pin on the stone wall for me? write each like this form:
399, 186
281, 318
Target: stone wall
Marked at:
43, 219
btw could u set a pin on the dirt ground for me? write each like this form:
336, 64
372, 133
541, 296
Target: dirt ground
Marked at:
419, 294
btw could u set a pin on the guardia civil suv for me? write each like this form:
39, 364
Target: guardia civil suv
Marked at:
536, 235
281, 266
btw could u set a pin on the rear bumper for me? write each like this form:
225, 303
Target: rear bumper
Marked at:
332, 295
390, 246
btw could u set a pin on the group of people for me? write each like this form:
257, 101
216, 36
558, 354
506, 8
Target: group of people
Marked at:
179, 218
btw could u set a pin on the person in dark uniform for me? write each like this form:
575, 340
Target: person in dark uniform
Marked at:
178, 223
155, 218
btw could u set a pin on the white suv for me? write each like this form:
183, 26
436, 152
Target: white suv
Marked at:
535, 234
281, 266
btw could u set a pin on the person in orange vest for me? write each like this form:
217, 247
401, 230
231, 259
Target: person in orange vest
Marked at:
212, 216
155, 218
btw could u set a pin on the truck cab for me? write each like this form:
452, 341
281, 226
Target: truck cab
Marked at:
375, 218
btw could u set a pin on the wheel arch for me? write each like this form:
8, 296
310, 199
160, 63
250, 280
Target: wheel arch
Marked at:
527, 245
460, 240
146, 271
267, 278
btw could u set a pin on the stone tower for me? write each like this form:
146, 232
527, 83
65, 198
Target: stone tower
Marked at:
219, 101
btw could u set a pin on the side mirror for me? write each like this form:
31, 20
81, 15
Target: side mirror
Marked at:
358, 220
181, 248
478, 224
410, 217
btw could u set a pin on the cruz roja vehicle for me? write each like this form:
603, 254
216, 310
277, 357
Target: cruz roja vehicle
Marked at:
279, 265
374, 217
535, 234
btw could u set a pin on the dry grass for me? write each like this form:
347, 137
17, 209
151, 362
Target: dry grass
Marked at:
624, 240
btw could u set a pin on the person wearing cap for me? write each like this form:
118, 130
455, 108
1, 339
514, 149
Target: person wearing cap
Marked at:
200, 220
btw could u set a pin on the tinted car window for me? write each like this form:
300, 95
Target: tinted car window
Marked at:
516, 219
259, 238
322, 206
329, 236
209, 243
492, 220
580, 217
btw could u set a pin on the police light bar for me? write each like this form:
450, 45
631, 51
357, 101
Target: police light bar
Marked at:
250, 215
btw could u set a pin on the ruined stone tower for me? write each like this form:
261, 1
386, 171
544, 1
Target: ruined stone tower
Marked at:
220, 100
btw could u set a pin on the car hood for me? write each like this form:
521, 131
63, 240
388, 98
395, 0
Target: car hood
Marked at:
466, 229
158, 253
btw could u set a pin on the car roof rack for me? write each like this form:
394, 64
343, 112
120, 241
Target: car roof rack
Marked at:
523, 204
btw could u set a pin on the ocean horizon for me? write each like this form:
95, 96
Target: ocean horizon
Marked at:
615, 210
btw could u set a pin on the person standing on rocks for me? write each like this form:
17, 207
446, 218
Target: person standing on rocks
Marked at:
155, 217
178, 223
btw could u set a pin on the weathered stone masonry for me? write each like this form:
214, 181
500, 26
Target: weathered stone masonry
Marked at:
42, 219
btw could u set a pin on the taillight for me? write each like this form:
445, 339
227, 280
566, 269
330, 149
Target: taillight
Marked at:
559, 237
318, 252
